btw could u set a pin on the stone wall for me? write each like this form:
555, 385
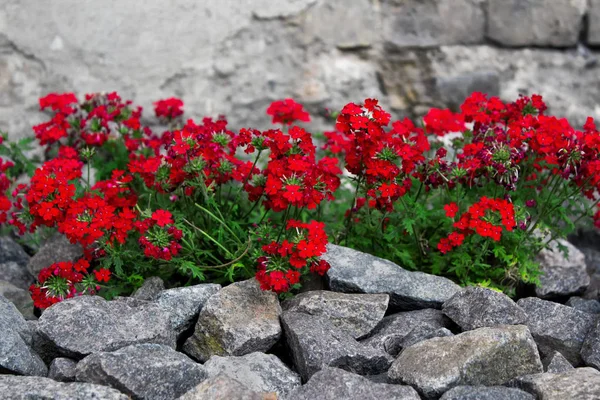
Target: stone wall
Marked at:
236, 56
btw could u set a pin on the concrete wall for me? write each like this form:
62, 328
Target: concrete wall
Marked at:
236, 56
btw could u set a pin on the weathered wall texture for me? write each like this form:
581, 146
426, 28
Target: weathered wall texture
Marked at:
236, 56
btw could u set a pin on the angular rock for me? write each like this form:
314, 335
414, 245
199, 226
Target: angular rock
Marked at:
556, 363
355, 272
258, 371
562, 276
336, 384
437, 365
476, 307
16, 274
10, 318
355, 314
425, 23
222, 387
62, 370
557, 327
29, 387
486, 393
419, 334
87, 324
590, 306
57, 248
240, 319
396, 331
315, 343
576, 384
143, 371
10, 251
590, 351
19, 297
150, 289
185, 303
535, 22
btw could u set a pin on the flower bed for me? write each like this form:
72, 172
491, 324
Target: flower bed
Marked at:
473, 196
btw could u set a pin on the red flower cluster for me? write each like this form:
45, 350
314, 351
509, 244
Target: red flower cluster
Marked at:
5, 183
487, 218
287, 112
159, 237
64, 280
168, 109
300, 252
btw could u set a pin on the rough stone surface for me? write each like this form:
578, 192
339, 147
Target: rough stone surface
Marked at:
16, 356
88, 324
576, 384
557, 327
315, 343
453, 90
337, 384
29, 387
222, 387
19, 297
185, 303
557, 23
355, 272
476, 307
143, 371
395, 331
240, 319
12, 251
18, 275
486, 393
62, 370
556, 363
150, 289
591, 306
590, 351
562, 276
471, 358
355, 314
258, 371
57, 248
425, 23
594, 22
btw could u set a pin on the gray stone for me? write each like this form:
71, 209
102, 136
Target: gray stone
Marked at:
222, 387
475, 307
82, 325
62, 370
556, 363
240, 319
16, 274
486, 393
355, 314
185, 303
422, 333
590, 351
15, 338
29, 387
10, 251
594, 22
258, 371
426, 23
562, 276
19, 297
576, 384
150, 289
453, 90
535, 22
557, 327
315, 343
396, 331
355, 272
590, 306
337, 384
436, 365
56, 249
143, 371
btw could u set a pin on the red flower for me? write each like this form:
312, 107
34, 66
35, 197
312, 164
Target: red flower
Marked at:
169, 109
162, 217
451, 210
102, 275
287, 112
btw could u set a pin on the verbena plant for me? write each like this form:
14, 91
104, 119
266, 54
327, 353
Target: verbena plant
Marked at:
473, 195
